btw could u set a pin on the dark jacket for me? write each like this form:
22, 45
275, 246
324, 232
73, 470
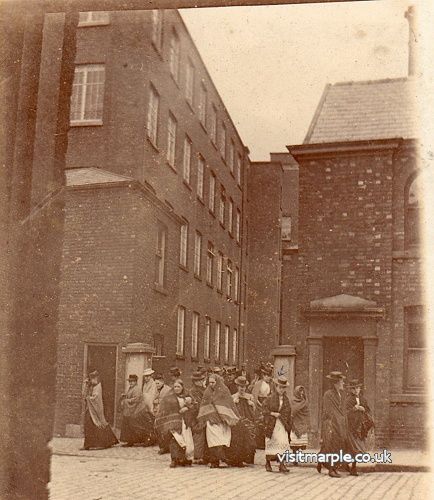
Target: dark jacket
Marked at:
334, 428
359, 422
271, 404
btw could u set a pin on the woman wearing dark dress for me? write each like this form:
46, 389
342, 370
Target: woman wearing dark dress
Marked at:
97, 432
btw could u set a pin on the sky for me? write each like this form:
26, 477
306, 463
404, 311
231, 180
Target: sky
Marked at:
270, 64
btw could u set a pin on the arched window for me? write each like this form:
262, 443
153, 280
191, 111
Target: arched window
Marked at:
413, 203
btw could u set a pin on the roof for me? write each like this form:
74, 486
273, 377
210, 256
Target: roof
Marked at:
368, 110
91, 175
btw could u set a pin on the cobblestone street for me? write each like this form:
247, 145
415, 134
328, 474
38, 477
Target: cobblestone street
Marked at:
126, 473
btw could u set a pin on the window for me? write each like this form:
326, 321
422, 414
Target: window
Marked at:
286, 228
189, 82
87, 94
238, 225
171, 140
197, 253
206, 340
194, 334
212, 184
234, 346
203, 100
226, 344
413, 201
183, 246
186, 160
222, 205
231, 216
416, 350
98, 18
210, 263
160, 255
213, 124
220, 272
157, 28
180, 331
229, 279
231, 159
238, 169
237, 284
200, 175
154, 104
218, 329
222, 144
174, 55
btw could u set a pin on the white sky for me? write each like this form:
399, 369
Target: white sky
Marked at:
270, 63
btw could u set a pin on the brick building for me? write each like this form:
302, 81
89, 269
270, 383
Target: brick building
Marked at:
154, 257
352, 294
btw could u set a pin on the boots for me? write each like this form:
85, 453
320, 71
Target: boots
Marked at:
268, 466
283, 468
353, 471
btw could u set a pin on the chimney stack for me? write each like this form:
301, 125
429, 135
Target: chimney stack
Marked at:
410, 15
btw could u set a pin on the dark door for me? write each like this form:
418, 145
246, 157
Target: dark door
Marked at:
103, 359
344, 354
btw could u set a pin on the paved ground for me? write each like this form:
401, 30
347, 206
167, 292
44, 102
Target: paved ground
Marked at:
126, 473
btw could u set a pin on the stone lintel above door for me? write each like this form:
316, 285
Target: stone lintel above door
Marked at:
343, 305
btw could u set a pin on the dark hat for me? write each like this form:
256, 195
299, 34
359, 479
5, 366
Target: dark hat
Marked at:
352, 384
216, 369
93, 374
335, 376
266, 370
282, 381
242, 381
197, 375
231, 369
175, 371
133, 378
158, 376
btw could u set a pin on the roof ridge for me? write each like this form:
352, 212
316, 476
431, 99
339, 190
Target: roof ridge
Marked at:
369, 82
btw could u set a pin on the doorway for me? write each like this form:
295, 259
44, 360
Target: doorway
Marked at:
103, 357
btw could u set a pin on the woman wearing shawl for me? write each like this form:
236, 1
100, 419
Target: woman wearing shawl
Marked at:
137, 421
243, 446
174, 421
97, 432
300, 420
217, 414
277, 418
149, 389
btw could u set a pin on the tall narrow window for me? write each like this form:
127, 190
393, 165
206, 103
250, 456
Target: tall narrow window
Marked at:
194, 334
286, 228
226, 344
218, 329
210, 263
180, 331
200, 175
152, 125
189, 82
222, 206
160, 255
238, 169
231, 216
238, 226
212, 184
222, 143
213, 124
206, 339
94, 18
231, 159
234, 346
186, 160
220, 272
174, 55
237, 284
229, 279
197, 253
183, 246
157, 28
413, 199
203, 101
416, 349
87, 94
171, 139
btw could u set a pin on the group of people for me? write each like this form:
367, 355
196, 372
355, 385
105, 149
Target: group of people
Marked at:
226, 415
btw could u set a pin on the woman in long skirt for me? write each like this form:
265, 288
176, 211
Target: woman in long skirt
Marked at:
277, 418
97, 431
174, 422
300, 420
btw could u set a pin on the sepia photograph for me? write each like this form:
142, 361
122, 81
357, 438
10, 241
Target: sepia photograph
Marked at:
216, 249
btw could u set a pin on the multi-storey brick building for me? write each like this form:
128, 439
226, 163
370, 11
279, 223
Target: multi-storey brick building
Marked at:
352, 294
154, 251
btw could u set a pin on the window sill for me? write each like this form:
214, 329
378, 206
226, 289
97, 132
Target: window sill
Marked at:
231, 234
203, 126
180, 356
172, 167
210, 285
222, 224
160, 289
151, 142
411, 253
87, 24
220, 292
157, 50
195, 358
190, 105
197, 276
214, 144
200, 199
187, 185
175, 80
232, 173
407, 398
184, 268
211, 212
86, 123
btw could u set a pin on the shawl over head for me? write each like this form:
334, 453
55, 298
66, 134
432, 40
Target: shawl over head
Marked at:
300, 411
168, 418
96, 406
217, 406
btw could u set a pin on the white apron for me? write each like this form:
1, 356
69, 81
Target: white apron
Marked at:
279, 442
218, 435
185, 439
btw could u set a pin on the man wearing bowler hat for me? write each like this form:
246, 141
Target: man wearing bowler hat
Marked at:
333, 422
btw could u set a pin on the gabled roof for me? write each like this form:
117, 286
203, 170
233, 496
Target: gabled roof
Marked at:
91, 175
356, 111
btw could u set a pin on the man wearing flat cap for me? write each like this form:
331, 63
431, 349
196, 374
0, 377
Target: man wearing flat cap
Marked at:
333, 422
199, 437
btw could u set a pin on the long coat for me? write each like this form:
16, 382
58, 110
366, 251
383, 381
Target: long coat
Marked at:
334, 427
271, 404
359, 423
